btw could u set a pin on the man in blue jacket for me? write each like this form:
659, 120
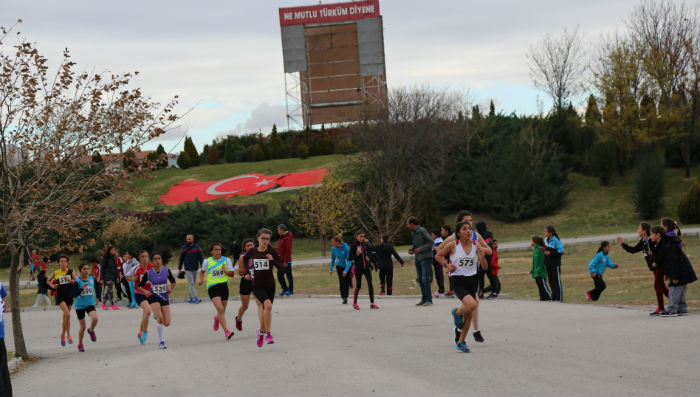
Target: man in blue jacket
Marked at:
423, 250
191, 257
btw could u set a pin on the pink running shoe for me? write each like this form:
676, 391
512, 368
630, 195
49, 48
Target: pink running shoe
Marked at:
356, 306
115, 307
93, 337
260, 338
104, 307
269, 339
216, 323
228, 334
81, 348
373, 306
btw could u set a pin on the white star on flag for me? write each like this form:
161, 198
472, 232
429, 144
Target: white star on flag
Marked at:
263, 182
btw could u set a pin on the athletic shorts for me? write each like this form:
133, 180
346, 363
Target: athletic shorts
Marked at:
140, 298
264, 293
220, 290
464, 285
81, 312
68, 298
155, 299
246, 286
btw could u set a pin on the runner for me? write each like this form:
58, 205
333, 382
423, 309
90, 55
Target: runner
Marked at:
62, 281
464, 254
596, 268
246, 283
135, 276
339, 258
158, 277
217, 270
359, 254
84, 291
263, 258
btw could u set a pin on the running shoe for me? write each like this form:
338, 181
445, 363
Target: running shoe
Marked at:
190, 300
382, 293
282, 293
260, 337
104, 307
81, 348
115, 307
197, 300
420, 303
667, 314
588, 296
162, 346
682, 313
70, 340
478, 337
216, 323
269, 339
492, 296
373, 306
457, 319
239, 324
145, 336
657, 312
93, 337
356, 306
63, 341
428, 303
228, 334
462, 347
437, 294
141, 340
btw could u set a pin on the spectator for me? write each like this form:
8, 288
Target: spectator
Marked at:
644, 245
108, 277
42, 289
339, 257
384, 252
5, 385
492, 273
538, 270
284, 248
191, 257
553, 250
437, 266
679, 271
359, 254
446, 231
423, 250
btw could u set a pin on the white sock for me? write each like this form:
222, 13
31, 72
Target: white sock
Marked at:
475, 331
159, 327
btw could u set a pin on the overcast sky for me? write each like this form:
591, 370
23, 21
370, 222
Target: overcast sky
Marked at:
224, 58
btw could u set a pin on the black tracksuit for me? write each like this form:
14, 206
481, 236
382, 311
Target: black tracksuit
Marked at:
363, 267
383, 253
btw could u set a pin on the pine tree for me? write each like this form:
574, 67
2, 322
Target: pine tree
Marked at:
191, 151
230, 151
593, 116
183, 161
162, 157
213, 156
325, 145
277, 148
492, 109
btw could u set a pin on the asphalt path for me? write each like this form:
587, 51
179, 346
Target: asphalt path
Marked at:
325, 348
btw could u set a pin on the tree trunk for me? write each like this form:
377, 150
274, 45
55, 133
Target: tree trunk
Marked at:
15, 266
323, 246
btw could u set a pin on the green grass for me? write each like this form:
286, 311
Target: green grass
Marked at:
150, 189
631, 284
593, 209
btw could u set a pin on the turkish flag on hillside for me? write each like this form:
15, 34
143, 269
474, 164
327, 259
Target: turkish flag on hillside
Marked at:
240, 185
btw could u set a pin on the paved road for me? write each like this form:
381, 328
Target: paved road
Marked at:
325, 348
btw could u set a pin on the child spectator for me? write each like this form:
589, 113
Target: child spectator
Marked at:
437, 267
678, 270
495, 287
538, 271
42, 289
596, 267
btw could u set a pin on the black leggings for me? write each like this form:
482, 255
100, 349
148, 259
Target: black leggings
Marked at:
367, 272
495, 286
344, 282
386, 278
599, 287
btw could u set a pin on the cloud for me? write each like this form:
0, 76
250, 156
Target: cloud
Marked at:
261, 119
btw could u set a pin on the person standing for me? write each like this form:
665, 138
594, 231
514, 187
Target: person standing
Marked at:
263, 258
129, 287
422, 248
553, 250
284, 249
596, 267
5, 385
108, 277
384, 251
678, 270
359, 255
42, 290
538, 270
644, 245
217, 269
339, 257
445, 232
191, 257
437, 266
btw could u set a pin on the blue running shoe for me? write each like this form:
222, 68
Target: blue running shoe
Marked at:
462, 347
141, 340
458, 320
145, 336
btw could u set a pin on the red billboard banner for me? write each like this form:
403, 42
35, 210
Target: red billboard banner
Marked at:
333, 12
240, 185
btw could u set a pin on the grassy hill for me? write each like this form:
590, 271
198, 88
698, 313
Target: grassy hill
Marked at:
590, 208
149, 190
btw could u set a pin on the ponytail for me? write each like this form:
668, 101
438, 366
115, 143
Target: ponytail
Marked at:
670, 224
602, 246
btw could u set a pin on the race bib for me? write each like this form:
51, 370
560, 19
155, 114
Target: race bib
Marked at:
63, 280
465, 262
160, 288
86, 292
217, 272
261, 264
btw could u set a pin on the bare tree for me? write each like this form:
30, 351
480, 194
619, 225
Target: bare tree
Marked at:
50, 126
557, 65
402, 153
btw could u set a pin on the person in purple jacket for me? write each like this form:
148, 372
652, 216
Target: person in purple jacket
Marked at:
158, 298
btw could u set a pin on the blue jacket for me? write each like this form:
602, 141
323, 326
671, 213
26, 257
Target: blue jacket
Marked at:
191, 257
340, 254
599, 262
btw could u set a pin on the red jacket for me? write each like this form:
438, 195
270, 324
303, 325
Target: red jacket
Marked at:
284, 247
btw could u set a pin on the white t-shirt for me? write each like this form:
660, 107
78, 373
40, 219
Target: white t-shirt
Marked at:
465, 263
